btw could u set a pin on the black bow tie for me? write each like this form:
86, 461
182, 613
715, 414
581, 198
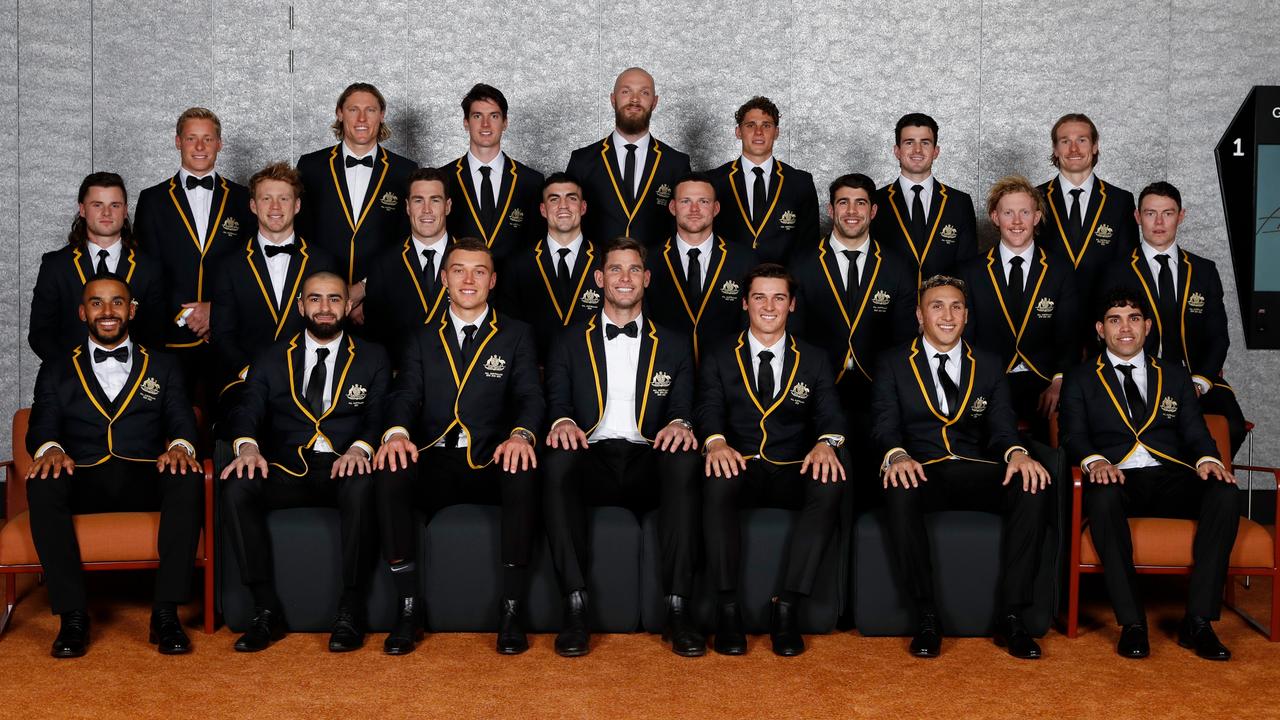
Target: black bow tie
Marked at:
613, 331
274, 250
121, 353
205, 182
366, 161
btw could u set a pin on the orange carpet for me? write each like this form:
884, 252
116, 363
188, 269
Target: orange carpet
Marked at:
629, 676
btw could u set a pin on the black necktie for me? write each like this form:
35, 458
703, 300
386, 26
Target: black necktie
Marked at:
950, 392
316, 385
1137, 407
563, 276
121, 353
1075, 226
487, 206
693, 283
612, 331
764, 376
205, 182
101, 269
851, 284
757, 197
429, 273
468, 340
1017, 289
366, 161
1170, 337
629, 175
917, 212
274, 250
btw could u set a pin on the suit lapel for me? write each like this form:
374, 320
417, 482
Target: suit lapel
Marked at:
413, 270
738, 183
178, 196
293, 276
296, 357
83, 360
594, 338
258, 267
648, 334
341, 368
652, 160
140, 362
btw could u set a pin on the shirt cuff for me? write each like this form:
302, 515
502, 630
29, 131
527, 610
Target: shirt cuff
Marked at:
1085, 463
1009, 453
560, 420
1210, 458
45, 448
834, 436
1202, 382
1056, 376
392, 431
241, 441
368, 451
706, 443
525, 433
884, 463
179, 442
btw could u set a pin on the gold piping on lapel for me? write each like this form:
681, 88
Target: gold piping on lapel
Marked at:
123, 405
1124, 414
461, 383
565, 316
648, 378
920, 256
678, 281
1026, 317
857, 319
746, 217
1057, 219
653, 170
595, 373
212, 232
782, 392
346, 211
928, 397
278, 318
464, 183
428, 308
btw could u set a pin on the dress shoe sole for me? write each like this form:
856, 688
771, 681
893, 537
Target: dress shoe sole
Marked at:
731, 651
573, 652
1134, 655
788, 653
246, 649
925, 654
172, 650
339, 648
397, 651
512, 651
67, 654
697, 652
1192, 647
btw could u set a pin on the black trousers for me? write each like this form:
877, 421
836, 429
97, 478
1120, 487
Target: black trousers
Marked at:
864, 490
769, 485
1024, 395
1221, 401
976, 486
248, 500
441, 478
635, 476
115, 486
1164, 491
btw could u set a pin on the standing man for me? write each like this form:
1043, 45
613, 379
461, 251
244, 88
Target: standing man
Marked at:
100, 243
772, 425
696, 274
550, 285
111, 430
949, 440
313, 406
1186, 292
620, 388
629, 176
255, 292
468, 386
1135, 427
353, 204
191, 223
1089, 222
405, 291
497, 196
1022, 305
929, 223
775, 206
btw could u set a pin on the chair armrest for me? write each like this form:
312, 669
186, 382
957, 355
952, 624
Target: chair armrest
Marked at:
11, 488
1077, 513
1275, 474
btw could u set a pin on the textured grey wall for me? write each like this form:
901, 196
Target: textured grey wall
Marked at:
98, 85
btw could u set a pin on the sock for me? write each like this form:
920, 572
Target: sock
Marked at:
515, 580
405, 575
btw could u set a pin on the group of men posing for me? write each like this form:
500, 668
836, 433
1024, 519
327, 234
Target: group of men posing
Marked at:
386, 339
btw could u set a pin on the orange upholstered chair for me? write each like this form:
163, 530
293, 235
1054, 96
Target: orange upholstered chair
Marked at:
1162, 546
108, 541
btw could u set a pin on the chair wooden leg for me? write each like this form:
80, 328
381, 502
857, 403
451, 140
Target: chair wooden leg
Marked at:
10, 599
209, 610
1275, 608
1073, 603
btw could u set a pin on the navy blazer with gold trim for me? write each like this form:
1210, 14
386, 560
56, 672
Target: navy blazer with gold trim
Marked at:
528, 291
780, 430
608, 216
354, 236
1095, 416
578, 379
166, 230
791, 215
905, 407
519, 223
490, 396
1110, 232
55, 327
951, 229
274, 413
395, 304
149, 413
718, 313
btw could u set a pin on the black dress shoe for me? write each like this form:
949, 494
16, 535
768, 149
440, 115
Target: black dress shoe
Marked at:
787, 640
730, 639
405, 634
1012, 635
347, 633
511, 637
574, 639
685, 639
167, 633
927, 642
73, 635
1133, 642
266, 627
1197, 633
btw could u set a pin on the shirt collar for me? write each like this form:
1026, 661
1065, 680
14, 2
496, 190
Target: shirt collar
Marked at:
128, 343
496, 163
620, 143
183, 174
756, 346
459, 323
604, 316
1027, 254
839, 247
113, 250
1150, 252
748, 166
263, 242
313, 345
348, 152
1139, 360
574, 246
926, 183
684, 247
439, 246
953, 354
1067, 186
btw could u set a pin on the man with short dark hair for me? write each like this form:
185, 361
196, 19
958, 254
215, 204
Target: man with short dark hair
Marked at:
774, 207
771, 425
931, 224
628, 177
1133, 424
497, 196
110, 431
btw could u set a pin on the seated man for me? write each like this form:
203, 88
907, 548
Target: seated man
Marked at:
102, 411
312, 404
946, 427
1134, 425
468, 386
610, 445
772, 423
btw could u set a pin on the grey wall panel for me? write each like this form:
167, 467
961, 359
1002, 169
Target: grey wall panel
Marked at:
10, 238
252, 86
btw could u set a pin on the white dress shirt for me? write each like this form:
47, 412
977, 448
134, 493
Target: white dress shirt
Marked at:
200, 200
111, 374
619, 144
842, 261
749, 178
909, 195
330, 363
704, 255
458, 324
1150, 253
953, 371
1006, 260
357, 178
778, 348
622, 360
554, 248
277, 266
1067, 187
1140, 457
439, 246
495, 166
114, 251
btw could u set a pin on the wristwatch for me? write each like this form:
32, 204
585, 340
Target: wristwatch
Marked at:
834, 442
525, 434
